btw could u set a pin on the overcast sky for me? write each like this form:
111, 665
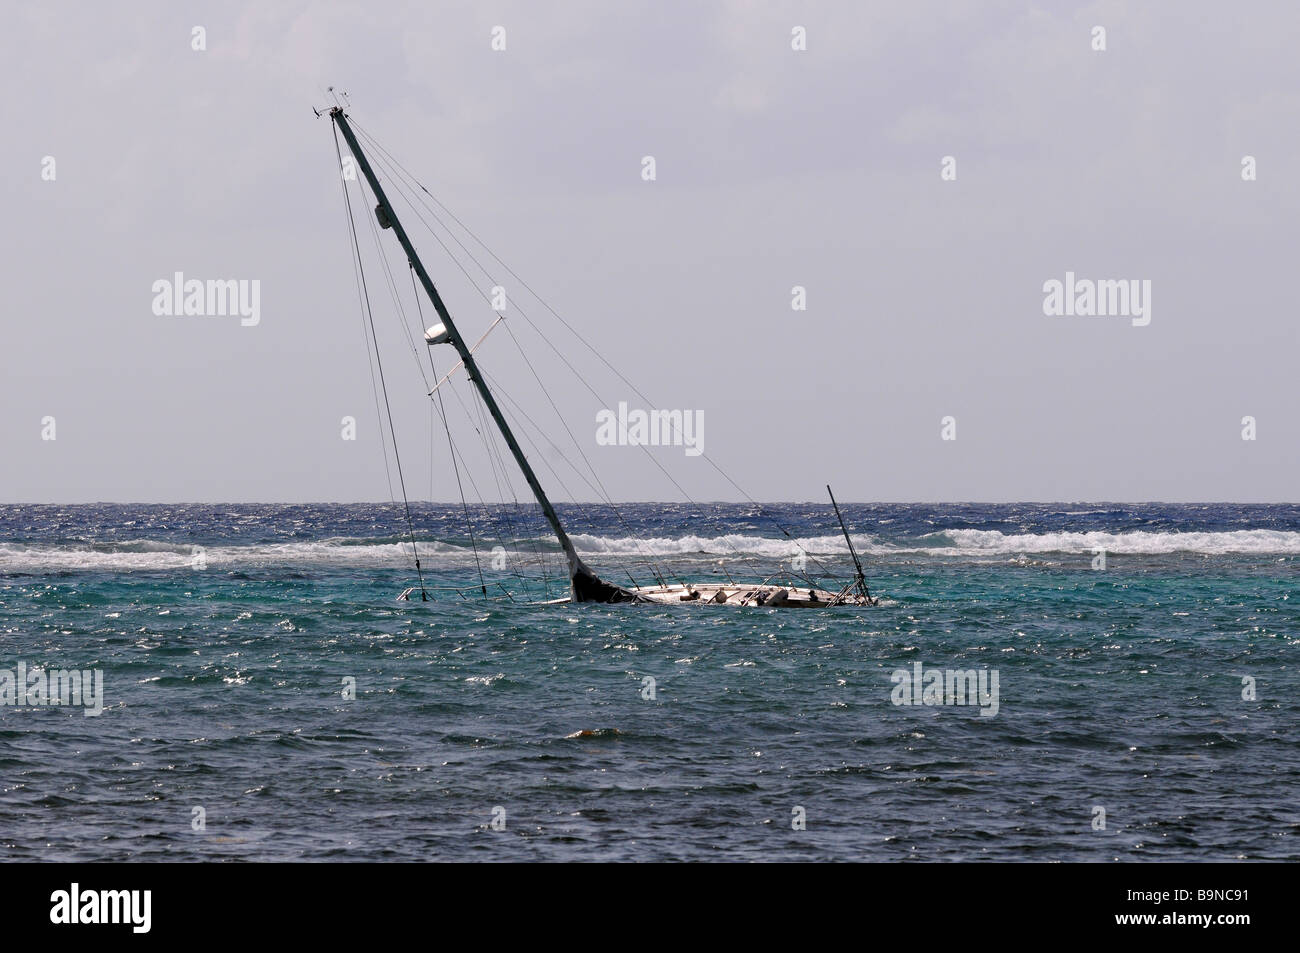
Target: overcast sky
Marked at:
775, 168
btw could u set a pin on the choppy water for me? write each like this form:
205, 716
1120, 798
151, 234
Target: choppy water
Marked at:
225, 634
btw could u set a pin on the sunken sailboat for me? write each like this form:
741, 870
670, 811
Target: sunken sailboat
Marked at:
585, 585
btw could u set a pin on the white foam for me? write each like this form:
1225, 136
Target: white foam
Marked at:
969, 542
960, 542
361, 553
727, 545
155, 555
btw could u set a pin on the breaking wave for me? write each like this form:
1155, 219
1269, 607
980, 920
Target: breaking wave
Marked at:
387, 553
964, 542
974, 542
155, 555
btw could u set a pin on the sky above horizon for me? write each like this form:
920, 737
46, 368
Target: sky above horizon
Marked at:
131, 155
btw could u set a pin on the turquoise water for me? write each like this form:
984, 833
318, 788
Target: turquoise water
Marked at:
1120, 689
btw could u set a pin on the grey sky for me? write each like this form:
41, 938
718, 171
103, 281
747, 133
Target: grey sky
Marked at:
775, 168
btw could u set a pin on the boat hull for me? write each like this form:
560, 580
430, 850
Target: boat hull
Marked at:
740, 594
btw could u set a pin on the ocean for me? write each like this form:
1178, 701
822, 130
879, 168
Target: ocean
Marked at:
1040, 682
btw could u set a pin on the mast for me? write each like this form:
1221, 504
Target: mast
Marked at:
861, 579
586, 585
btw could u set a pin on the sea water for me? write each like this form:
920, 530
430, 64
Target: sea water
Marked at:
265, 697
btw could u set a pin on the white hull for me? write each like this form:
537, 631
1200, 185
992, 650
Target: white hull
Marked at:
733, 594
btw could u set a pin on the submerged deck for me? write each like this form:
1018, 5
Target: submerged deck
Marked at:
741, 594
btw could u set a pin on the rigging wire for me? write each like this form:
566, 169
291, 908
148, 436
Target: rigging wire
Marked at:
571, 329
404, 323
394, 178
401, 190
469, 473
356, 246
459, 486
370, 357
484, 439
501, 471
598, 488
761, 511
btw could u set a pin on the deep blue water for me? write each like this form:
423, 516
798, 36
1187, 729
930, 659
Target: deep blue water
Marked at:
225, 633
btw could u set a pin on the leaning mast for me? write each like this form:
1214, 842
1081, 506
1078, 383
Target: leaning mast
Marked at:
585, 584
